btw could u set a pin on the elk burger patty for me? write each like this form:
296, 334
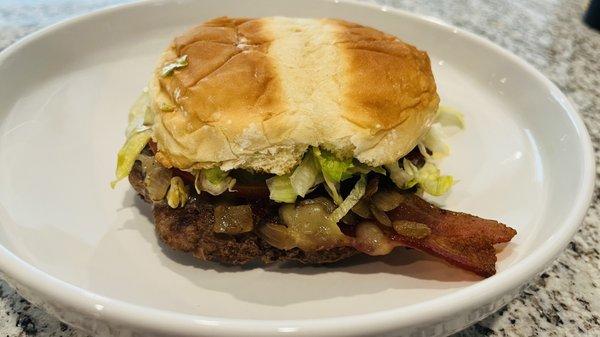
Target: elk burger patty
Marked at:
190, 229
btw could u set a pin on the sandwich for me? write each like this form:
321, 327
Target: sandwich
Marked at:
291, 139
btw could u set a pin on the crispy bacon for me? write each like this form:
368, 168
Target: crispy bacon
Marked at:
461, 239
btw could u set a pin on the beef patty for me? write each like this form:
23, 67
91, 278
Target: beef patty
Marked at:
190, 229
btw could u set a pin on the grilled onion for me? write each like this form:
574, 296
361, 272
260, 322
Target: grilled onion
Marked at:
233, 219
371, 240
380, 215
307, 226
362, 209
411, 229
387, 200
157, 179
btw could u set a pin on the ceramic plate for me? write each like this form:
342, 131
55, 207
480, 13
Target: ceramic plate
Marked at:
89, 254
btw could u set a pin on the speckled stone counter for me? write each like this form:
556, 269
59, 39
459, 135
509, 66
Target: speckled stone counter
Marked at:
565, 300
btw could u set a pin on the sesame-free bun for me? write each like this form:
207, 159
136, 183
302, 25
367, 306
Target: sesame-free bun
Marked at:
256, 93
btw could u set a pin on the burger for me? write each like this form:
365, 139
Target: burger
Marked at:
310, 140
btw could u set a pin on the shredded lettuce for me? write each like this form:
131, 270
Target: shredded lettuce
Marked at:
214, 181
281, 189
215, 175
423, 150
128, 153
352, 199
318, 166
333, 170
140, 114
360, 168
450, 117
401, 176
432, 147
428, 178
178, 63
434, 140
332, 189
177, 195
306, 175
138, 134
305, 178
332, 167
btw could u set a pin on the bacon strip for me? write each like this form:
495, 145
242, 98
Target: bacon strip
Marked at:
461, 239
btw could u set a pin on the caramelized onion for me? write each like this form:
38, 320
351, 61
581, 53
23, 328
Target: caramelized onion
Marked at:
387, 200
157, 179
372, 187
350, 219
411, 229
325, 202
362, 206
307, 226
277, 236
380, 215
362, 209
233, 219
371, 240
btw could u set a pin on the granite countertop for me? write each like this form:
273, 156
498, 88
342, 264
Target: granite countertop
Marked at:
549, 34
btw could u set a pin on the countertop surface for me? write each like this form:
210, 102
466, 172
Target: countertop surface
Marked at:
549, 34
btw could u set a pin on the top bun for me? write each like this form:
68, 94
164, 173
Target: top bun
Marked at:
256, 93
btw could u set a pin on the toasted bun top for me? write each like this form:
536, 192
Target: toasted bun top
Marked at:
257, 92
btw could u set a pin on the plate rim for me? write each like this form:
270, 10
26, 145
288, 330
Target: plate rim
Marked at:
137, 316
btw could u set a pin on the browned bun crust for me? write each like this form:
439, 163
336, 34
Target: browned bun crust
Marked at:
256, 93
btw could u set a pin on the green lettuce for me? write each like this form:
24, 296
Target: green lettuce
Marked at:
214, 181
138, 134
281, 189
332, 167
333, 170
318, 166
178, 63
427, 178
447, 116
140, 114
434, 139
431, 181
360, 168
306, 175
128, 154
352, 199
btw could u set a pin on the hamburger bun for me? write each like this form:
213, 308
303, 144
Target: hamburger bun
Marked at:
256, 93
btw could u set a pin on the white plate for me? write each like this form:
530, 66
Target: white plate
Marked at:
89, 254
